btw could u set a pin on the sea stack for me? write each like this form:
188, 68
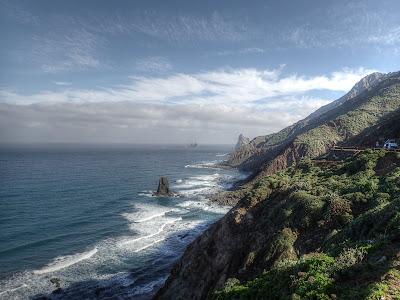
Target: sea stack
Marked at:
242, 141
163, 187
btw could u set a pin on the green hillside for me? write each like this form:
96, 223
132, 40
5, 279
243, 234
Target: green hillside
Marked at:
334, 232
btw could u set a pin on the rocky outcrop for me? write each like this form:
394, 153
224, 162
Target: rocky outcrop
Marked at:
163, 188
228, 198
242, 141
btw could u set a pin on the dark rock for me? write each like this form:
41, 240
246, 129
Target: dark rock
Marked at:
163, 188
56, 282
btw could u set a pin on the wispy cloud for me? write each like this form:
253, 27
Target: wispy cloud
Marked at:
354, 26
251, 50
176, 28
240, 86
153, 64
62, 83
17, 12
74, 50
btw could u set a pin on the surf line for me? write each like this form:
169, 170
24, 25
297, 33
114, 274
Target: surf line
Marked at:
14, 289
149, 245
161, 229
153, 217
66, 261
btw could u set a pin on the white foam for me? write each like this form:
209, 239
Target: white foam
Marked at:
146, 212
13, 289
148, 236
204, 165
149, 245
205, 205
221, 154
198, 184
153, 216
198, 191
147, 193
65, 261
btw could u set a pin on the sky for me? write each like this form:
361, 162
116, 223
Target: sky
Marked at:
177, 71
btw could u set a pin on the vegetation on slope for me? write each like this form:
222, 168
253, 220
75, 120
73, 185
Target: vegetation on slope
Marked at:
339, 234
351, 123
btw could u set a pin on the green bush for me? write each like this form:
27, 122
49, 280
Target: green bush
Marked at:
310, 278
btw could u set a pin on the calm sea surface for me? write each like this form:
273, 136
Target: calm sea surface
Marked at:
86, 216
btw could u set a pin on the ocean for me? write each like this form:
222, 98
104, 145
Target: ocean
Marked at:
84, 217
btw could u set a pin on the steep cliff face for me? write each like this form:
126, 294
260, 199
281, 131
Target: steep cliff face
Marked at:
316, 207
366, 105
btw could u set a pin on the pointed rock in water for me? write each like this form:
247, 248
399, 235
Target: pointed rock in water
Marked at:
163, 187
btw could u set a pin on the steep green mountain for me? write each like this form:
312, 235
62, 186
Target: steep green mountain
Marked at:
367, 104
303, 228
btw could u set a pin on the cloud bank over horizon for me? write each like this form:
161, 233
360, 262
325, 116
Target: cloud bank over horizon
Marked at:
212, 107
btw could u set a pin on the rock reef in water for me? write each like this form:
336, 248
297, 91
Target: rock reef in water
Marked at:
163, 188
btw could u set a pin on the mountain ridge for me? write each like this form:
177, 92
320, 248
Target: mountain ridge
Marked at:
277, 148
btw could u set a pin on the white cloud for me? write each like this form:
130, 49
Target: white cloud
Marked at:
62, 83
217, 104
134, 122
233, 86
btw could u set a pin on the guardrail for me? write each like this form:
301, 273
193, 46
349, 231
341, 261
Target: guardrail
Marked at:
359, 149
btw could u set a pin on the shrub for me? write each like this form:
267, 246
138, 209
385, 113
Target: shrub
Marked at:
282, 247
308, 208
338, 211
309, 278
349, 257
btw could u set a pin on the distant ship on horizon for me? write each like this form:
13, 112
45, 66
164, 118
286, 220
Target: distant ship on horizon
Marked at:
193, 145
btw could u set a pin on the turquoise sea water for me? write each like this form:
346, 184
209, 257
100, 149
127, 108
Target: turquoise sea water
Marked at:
86, 215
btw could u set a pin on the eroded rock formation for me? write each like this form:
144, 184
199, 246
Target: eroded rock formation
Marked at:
163, 187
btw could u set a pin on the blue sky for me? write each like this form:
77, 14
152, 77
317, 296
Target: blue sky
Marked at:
172, 71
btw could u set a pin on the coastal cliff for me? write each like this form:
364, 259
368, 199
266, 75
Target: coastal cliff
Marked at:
303, 228
342, 216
